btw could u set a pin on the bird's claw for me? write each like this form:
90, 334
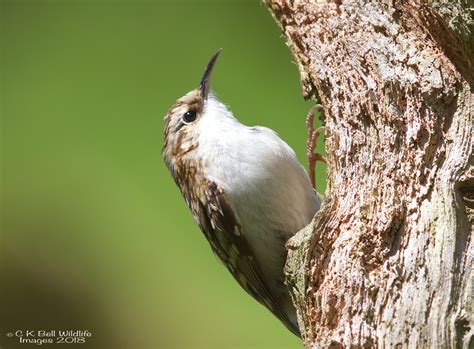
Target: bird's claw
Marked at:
313, 135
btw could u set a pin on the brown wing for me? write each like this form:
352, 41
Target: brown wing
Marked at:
219, 223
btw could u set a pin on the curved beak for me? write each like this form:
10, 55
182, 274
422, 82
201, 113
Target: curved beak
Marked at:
205, 84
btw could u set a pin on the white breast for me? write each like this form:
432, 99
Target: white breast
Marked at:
268, 187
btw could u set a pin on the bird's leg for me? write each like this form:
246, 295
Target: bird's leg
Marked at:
313, 135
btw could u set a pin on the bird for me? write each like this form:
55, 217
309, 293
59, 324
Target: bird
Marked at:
246, 190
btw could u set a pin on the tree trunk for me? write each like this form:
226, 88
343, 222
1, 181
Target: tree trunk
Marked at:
387, 261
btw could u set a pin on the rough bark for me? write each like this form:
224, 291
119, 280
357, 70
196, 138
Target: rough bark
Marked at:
387, 261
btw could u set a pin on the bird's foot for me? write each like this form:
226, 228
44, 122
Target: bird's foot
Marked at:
313, 135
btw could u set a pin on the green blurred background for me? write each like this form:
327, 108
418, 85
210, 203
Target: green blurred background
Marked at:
95, 235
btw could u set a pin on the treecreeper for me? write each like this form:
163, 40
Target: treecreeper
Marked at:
246, 189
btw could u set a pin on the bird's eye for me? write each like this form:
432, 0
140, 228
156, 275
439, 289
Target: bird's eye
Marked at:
189, 116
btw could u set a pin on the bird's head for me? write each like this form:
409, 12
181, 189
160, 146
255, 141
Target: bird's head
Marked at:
183, 118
